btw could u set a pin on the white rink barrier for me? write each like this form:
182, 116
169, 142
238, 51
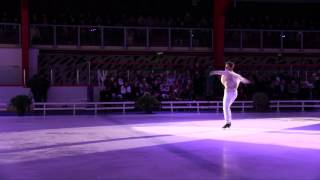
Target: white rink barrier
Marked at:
171, 106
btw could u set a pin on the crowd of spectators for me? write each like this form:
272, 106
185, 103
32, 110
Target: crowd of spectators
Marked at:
192, 84
186, 19
195, 84
163, 85
283, 85
90, 19
6, 17
196, 14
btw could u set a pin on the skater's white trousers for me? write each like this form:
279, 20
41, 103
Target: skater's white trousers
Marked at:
229, 97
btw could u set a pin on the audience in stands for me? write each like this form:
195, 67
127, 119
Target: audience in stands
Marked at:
164, 85
193, 84
186, 20
122, 20
235, 20
198, 86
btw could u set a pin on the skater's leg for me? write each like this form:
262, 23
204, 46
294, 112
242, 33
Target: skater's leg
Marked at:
228, 98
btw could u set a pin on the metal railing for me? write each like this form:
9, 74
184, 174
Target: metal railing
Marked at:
119, 36
171, 106
10, 34
171, 37
3, 107
83, 106
203, 105
130, 105
108, 37
298, 104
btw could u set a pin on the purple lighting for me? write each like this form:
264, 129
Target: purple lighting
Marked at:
165, 146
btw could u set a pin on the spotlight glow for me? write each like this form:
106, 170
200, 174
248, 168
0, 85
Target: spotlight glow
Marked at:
53, 143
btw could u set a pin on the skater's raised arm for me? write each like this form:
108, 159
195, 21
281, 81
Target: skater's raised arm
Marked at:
242, 79
217, 73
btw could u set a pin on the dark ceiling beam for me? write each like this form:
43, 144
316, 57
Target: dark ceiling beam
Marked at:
281, 1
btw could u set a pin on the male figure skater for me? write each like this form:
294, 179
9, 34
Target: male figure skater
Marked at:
230, 81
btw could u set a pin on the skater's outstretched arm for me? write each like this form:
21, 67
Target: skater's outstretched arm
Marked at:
242, 79
217, 73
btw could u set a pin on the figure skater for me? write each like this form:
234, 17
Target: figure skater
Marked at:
230, 81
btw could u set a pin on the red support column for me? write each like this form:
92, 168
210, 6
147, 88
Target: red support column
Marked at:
220, 7
25, 39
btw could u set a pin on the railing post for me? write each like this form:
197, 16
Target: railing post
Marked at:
55, 36
198, 109
51, 77
278, 106
125, 37
20, 37
169, 38
124, 108
74, 109
261, 39
191, 39
242, 107
212, 35
302, 108
281, 40
241, 39
301, 41
24, 77
44, 109
79, 38
89, 72
102, 37
95, 109
171, 106
147, 37
217, 107
78, 76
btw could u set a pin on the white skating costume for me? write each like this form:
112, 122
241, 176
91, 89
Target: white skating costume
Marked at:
230, 81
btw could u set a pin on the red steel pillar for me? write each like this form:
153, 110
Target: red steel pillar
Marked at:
220, 8
25, 39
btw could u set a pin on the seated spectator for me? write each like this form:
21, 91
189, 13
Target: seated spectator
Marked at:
293, 89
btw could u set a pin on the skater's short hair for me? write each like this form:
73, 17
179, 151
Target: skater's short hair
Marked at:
230, 64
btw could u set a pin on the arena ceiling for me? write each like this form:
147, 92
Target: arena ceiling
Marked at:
286, 1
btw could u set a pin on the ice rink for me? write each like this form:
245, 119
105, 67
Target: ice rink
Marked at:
186, 146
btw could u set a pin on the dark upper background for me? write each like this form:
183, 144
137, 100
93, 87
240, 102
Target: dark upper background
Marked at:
254, 14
